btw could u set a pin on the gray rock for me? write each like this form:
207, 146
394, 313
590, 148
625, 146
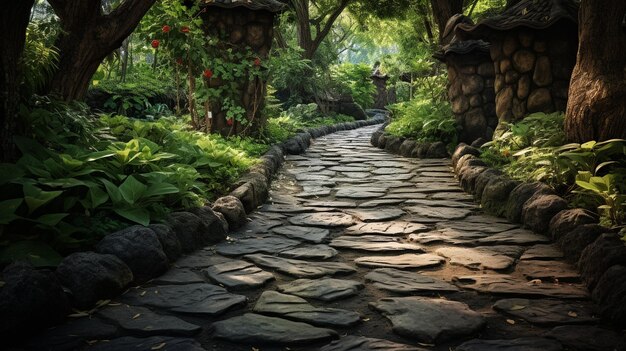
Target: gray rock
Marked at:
324, 289
309, 234
406, 261
375, 243
567, 220
72, 335
607, 251
200, 299
542, 252
521, 344
574, 242
232, 209
462, 150
265, 244
449, 236
586, 338
310, 252
360, 343
376, 215
496, 195
30, 299
169, 241
299, 268
238, 275
403, 282
128, 343
141, 321
515, 236
520, 195
503, 284
139, 248
322, 219
351, 193
443, 213
200, 259
178, 276
548, 270
430, 320
297, 309
610, 295
538, 211
253, 329
476, 258
385, 228
547, 312
91, 277
190, 230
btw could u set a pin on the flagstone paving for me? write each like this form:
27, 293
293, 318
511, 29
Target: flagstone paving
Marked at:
356, 249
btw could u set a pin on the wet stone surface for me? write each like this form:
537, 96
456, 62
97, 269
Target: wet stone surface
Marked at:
356, 249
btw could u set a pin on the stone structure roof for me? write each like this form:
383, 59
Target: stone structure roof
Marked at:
535, 14
267, 5
462, 48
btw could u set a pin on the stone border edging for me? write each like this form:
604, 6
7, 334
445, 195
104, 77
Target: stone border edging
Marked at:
407, 147
36, 298
598, 252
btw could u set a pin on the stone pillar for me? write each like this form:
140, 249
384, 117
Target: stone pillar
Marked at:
382, 98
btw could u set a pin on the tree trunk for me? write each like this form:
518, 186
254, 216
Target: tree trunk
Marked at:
443, 10
88, 37
306, 41
511, 3
596, 108
14, 19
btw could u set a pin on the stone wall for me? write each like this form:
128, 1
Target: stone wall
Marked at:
471, 94
241, 27
533, 70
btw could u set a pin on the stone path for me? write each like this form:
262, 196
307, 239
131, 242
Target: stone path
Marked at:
356, 249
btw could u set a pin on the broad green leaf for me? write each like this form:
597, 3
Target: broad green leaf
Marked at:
7, 210
38, 253
132, 189
588, 145
112, 190
137, 215
160, 189
51, 219
99, 155
9, 172
97, 196
36, 197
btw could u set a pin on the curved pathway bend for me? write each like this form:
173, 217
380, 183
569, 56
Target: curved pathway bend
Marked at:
372, 250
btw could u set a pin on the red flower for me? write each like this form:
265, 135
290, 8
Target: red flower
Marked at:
257, 62
166, 29
229, 121
179, 60
184, 29
155, 43
207, 73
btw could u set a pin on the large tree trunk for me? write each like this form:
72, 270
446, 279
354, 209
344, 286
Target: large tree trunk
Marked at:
443, 10
88, 37
596, 109
322, 25
14, 19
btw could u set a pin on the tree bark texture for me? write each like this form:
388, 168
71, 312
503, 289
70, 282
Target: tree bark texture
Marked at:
88, 37
14, 19
308, 42
596, 108
443, 10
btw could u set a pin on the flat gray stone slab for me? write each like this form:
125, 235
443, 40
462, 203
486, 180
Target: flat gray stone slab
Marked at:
141, 321
178, 276
521, 344
198, 299
286, 208
200, 259
324, 289
452, 196
406, 261
254, 329
374, 243
403, 282
437, 188
393, 177
378, 203
587, 338
504, 284
385, 228
547, 312
476, 258
507, 250
305, 177
300, 268
129, 343
360, 343
440, 203
356, 175
542, 252
470, 226
390, 164
265, 244
515, 236
332, 204
443, 213
377, 215
312, 252
309, 234
296, 308
314, 191
238, 275
390, 170
350, 168
358, 194
322, 219
548, 270
71, 335
257, 226
429, 320
448, 236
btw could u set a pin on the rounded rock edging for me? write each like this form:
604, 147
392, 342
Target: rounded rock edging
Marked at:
154, 248
599, 253
407, 147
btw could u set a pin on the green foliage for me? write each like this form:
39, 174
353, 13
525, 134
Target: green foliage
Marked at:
357, 81
39, 58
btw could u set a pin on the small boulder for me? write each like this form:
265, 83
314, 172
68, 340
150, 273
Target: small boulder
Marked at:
210, 220
232, 209
382, 141
407, 147
245, 194
496, 195
608, 250
575, 242
375, 136
468, 176
91, 276
484, 179
169, 241
30, 299
393, 144
538, 211
462, 150
139, 248
567, 220
610, 295
437, 150
520, 195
